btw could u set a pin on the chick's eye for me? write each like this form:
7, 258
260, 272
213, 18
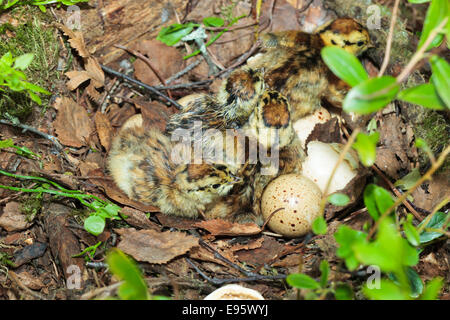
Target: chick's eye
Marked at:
360, 43
215, 186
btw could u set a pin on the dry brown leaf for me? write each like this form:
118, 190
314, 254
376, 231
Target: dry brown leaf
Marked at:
76, 78
138, 219
227, 228
154, 114
254, 244
166, 60
268, 251
290, 261
12, 218
76, 40
153, 246
95, 72
72, 124
175, 222
104, 129
113, 192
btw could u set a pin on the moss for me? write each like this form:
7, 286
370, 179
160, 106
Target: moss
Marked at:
31, 206
33, 36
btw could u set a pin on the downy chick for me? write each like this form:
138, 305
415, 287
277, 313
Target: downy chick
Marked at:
141, 164
293, 64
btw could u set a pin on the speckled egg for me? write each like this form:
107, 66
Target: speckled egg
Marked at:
300, 198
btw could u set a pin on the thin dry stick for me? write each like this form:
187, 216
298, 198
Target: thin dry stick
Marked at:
147, 62
397, 193
419, 54
341, 158
399, 200
387, 54
409, 67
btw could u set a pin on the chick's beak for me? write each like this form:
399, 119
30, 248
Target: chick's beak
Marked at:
235, 180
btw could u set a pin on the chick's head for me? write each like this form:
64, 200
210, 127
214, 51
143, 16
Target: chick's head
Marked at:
347, 34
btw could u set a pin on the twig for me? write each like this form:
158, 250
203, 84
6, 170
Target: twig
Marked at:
139, 83
16, 279
47, 136
218, 281
399, 200
239, 61
184, 85
419, 54
341, 158
147, 62
184, 71
387, 53
397, 193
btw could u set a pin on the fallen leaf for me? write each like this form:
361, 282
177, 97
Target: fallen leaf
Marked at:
166, 60
30, 281
72, 124
76, 40
28, 253
12, 218
104, 129
289, 261
179, 223
113, 192
253, 244
153, 246
226, 228
268, 251
138, 219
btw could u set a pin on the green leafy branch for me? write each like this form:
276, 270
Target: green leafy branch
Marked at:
40, 3
101, 210
175, 33
12, 77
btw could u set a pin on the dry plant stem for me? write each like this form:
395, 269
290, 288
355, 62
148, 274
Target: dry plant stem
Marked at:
436, 209
147, 62
387, 53
217, 281
419, 54
139, 83
399, 200
410, 67
397, 193
341, 158
16, 279
270, 217
53, 139
184, 71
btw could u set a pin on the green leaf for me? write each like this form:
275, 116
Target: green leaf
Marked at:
22, 62
172, 34
344, 65
377, 200
213, 22
388, 290
390, 251
347, 238
432, 289
319, 225
441, 78
424, 95
325, 271
134, 287
366, 146
415, 282
94, 225
371, 95
35, 97
6, 143
408, 180
418, 1
436, 222
302, 281
343, 292
338, 199
437, 11
411, 232
422, 144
